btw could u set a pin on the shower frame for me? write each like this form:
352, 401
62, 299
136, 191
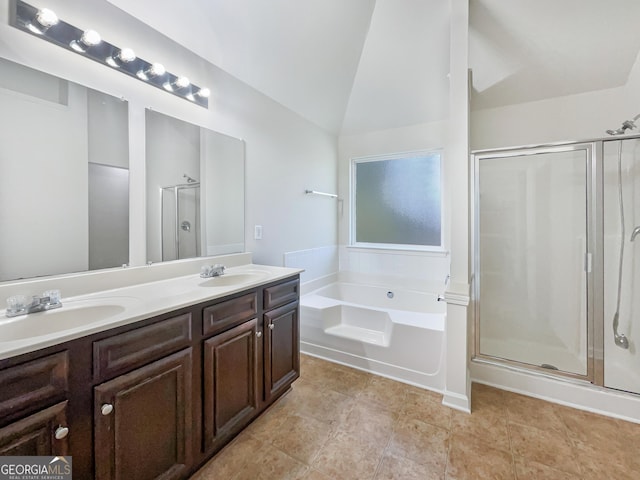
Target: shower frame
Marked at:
176, 189
594, 258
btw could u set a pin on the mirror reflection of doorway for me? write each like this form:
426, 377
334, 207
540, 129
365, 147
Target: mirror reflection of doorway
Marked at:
108, 216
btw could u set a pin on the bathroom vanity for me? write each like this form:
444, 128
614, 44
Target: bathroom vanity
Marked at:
156, 397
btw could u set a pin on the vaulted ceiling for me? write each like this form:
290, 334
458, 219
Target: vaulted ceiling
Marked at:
352, 66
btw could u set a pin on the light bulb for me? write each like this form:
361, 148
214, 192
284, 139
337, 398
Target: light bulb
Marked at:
179, 83
155, 70
182, 82
45, 18
89, 38
204, 93
126, 55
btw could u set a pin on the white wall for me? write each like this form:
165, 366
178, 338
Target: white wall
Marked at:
573, 117
284, 153
222, 197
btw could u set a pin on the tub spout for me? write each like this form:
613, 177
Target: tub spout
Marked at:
635, 232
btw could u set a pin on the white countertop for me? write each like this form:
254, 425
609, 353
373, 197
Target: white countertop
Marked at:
84, 315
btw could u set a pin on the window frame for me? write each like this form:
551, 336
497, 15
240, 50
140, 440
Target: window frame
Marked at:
352, 202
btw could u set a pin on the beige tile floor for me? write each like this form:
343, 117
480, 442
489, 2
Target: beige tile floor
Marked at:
339, 423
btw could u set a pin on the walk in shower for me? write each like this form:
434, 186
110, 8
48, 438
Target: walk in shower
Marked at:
557, 260
180, 220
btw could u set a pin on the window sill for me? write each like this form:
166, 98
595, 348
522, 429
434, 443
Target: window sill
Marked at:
398, 250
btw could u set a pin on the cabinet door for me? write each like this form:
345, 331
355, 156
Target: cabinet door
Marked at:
230, 382
36, 434
282, 357
143, 422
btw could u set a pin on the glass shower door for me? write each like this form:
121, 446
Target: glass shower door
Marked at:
531, 288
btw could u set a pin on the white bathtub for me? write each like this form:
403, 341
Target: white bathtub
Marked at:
394, 332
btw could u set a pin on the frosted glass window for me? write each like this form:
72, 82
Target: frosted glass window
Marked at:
397, 201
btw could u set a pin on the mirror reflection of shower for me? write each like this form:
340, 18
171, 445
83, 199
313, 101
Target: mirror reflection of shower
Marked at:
180, 219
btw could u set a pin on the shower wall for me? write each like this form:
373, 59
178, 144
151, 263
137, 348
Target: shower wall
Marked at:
622, 366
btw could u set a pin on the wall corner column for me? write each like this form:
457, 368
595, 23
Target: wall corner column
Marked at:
456, 170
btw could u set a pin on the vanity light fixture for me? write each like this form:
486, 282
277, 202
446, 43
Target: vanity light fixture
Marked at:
45, 24
88, 39
126, 55
43, 20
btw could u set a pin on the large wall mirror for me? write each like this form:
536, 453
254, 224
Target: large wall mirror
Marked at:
195, 190
64, 176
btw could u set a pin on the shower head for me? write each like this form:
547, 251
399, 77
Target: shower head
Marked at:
626, 125
189, 179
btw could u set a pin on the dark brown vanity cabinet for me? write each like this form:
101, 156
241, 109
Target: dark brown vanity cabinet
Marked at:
282, 337
281, 351
143, 421
156, 398
230, 382
231, 368
33, 407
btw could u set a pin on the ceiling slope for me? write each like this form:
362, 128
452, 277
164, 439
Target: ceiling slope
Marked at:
527, 50
353, 66
402, 76
303, 54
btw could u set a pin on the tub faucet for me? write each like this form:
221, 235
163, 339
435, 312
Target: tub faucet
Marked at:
208, 271
635, 232
17, 304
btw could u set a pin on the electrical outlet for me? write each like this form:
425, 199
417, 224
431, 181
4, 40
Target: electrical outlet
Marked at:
257, 232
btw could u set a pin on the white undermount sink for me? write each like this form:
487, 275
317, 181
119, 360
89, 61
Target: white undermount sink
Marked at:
232, 279
70, 316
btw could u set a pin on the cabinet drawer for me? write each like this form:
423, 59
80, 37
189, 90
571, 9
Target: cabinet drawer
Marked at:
129, 350
32, 385
229, 313
280, 294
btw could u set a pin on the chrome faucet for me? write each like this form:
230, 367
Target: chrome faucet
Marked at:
208, 271
635, 232
19, 305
